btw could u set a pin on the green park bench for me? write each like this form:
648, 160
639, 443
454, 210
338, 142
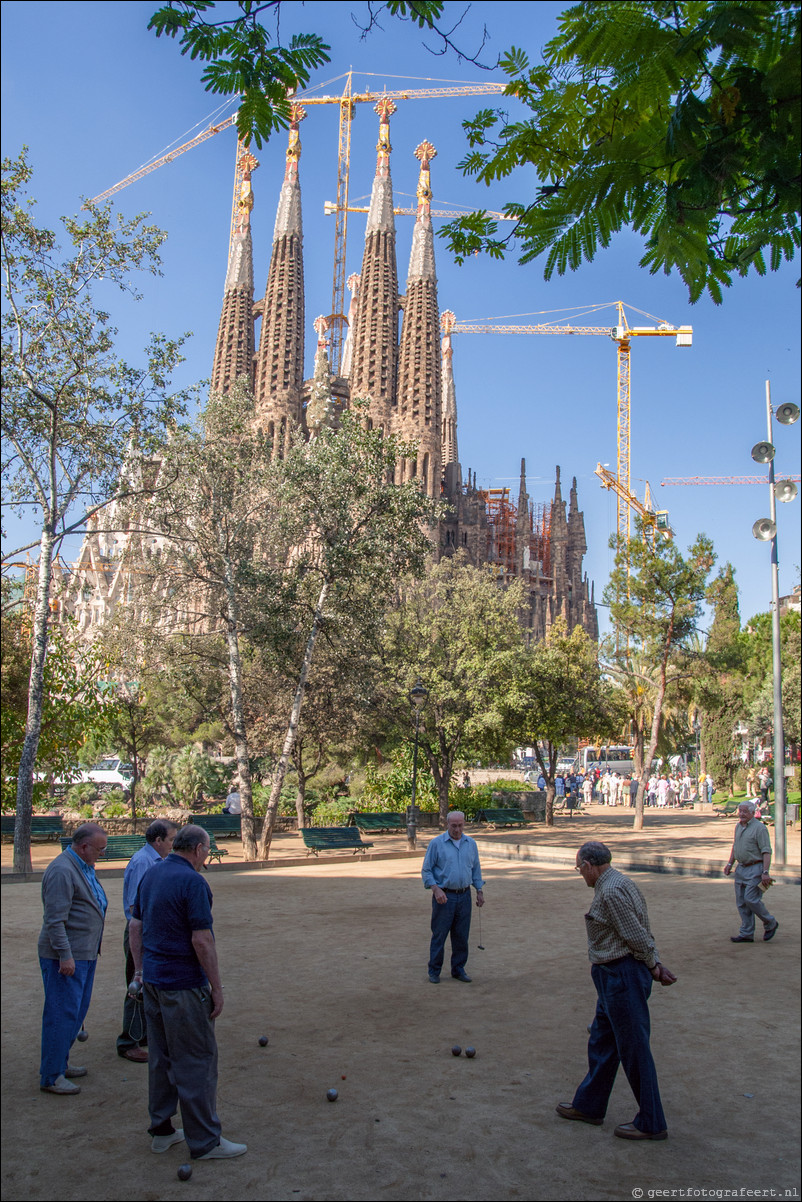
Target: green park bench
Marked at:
376, 823
43, 826
502, 817
215, 852
333, 838
729, 808
221, 825
118, 847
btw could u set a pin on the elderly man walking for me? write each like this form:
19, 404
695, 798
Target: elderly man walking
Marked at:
450, 867
624, 963
174, 953
752, 849
69, 945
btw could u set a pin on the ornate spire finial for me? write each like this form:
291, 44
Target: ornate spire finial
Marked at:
447, 321
321, 325
385, 108
297, 115
425, 152
246, 164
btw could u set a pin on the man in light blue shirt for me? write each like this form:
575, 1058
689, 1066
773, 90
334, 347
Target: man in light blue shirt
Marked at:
159, 841
450, 867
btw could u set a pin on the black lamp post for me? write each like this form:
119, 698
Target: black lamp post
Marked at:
418, 697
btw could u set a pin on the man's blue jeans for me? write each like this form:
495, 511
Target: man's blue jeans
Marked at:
66, 1004
620, 1035
453, 918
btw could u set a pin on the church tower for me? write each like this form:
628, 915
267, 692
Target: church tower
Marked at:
233, 355
279, 371
373, 337
419, 407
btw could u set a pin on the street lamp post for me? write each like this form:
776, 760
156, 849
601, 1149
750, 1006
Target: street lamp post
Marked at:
766, 530
418, 696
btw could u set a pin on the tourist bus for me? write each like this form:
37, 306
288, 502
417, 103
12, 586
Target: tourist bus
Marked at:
613, 759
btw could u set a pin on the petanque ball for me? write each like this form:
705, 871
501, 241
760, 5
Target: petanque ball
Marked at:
470, 1053
82, 1036
184, 1172
456, 1050
332, 1095
263, 1041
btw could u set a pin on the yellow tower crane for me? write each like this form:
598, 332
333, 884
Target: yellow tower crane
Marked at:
655, 521
346, 102
622, 334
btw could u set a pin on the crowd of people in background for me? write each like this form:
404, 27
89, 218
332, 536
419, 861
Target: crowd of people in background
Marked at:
664, 790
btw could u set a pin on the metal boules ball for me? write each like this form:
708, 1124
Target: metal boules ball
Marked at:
263, 1041
456, 1050
470, 1053
82, 1035
332, 1095
135, 988
184, 1172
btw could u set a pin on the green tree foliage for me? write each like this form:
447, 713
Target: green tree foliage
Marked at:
559, 695
680, 120
760, 685
655, 597
721, 695
73, 707
71, 406
457, 632
244, 58
359, 534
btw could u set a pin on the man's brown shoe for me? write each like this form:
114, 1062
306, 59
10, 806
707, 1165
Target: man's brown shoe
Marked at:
630, 1131
138, 1055
568, 1112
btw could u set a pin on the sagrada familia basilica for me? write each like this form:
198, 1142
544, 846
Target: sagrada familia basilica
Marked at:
409, 379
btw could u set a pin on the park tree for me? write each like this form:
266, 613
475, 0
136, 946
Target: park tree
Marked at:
559, 695
680, 121
655, 596
361, 534
458, 633
720, 691
759, 690
246, 55
216, 576
72, 407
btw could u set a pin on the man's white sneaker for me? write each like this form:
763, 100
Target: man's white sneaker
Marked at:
161, 1143
224, 1150
61, 1085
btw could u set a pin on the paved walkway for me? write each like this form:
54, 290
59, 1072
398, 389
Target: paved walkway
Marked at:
675, 841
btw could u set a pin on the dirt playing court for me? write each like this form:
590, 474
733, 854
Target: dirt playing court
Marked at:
329, 961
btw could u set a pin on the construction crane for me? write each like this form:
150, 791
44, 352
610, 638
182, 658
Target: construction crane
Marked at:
622, 334
346, 102
722, 480
655, 521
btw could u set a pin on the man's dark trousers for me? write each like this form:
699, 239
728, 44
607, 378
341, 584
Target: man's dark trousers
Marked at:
182, 1065
133, 1034
620, 1035
453, 918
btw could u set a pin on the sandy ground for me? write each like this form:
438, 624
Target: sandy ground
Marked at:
329, 961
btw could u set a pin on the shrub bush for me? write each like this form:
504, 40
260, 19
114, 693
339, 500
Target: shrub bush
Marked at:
78, 795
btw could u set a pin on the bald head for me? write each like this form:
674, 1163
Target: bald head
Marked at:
455, 824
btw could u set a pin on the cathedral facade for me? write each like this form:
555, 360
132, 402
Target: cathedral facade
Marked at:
398, 354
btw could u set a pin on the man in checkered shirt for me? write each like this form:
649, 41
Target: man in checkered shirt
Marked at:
624, 963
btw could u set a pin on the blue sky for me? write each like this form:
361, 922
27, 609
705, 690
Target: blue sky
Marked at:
95, 95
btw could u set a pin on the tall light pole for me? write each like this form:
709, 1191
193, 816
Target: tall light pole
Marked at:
418, 696
765, 529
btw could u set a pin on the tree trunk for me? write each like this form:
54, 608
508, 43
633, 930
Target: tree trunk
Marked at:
249, 850
33, 725
637, 824
280, 770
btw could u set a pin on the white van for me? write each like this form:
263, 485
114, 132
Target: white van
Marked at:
111, 773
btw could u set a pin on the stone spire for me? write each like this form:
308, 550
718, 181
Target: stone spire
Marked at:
374, 333
279, 374
233, 354
353, 282
419, 371
320, 410
450, 450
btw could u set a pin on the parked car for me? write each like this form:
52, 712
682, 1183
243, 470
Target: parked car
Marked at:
111, 773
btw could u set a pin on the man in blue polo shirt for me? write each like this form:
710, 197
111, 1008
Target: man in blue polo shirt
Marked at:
176, 961
450, 867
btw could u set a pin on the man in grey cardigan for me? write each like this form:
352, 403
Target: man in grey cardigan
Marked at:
69, 944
